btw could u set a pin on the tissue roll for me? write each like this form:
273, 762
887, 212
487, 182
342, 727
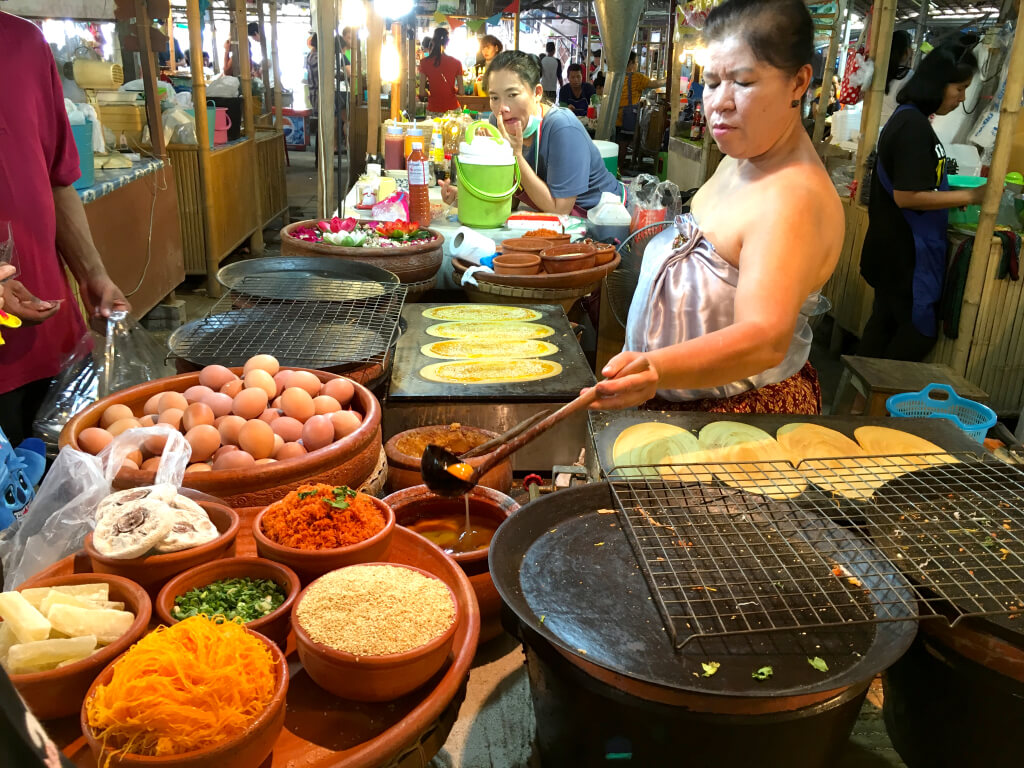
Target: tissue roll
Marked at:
471, 246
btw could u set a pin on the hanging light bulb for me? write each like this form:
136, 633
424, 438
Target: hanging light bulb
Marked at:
353, 14
392, 9
390, 60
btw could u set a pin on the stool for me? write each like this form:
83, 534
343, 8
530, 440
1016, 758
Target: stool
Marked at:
876, 379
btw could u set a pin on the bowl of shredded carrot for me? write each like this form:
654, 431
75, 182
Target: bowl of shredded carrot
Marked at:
202, 693
320, 528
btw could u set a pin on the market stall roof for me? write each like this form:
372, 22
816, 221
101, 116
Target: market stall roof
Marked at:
940, 10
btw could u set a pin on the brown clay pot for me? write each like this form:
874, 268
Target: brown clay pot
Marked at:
561, 239
275, 625
568, 258
516, 263
245, 751
525, 245
484, 502
151, 572
605, 252
310, 564
60, 692
412, 264
405, 450
348, 461
373, 678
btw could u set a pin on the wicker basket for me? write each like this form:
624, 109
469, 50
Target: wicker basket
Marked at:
485, 293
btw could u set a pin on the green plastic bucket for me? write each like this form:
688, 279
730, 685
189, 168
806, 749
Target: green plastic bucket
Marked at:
211, 118
968, 217
610, 154
485, 191
82, 135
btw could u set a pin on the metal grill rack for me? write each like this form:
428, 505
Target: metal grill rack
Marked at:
723, 560
326, 324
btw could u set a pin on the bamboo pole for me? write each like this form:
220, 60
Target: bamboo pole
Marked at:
1009, 111
147, 58
673, 76
327, 31
276, 65
249, 120
263, 61
195, 41
826, 79
515, 33
373, 46
883, 22
396, 86
170, 39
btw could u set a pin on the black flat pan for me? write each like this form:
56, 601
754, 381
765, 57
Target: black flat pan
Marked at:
307, 274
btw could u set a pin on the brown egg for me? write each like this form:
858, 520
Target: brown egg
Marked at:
233, 460
278, 443
288, 428
150, 465
224, 449
128, 464
317, 433
270, 415
281, 379
228, 429
276, 403
93, 439
204, 440
148, 421
263, 380
266, 363
172, 400
341, 390
219, 403
152, 405
266, 461
171, 417
115, 413
197, 393
290, 451
256, 437
200, 467
196, 414
345, 423
122, 425
305, 380
215, 376
297, 403
154, 445
249, 403
232, 388
326, 404
135, 456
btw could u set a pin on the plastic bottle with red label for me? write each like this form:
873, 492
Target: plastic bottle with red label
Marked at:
419, 185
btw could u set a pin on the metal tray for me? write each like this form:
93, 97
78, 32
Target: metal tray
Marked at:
302, 276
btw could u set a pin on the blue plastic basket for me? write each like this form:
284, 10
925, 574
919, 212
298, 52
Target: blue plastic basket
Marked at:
973, 418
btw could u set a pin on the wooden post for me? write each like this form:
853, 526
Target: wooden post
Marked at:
195, 44
277, 66
396, 87
249, 119
411, 68
147, 58
515, 20
883, 22
263, 62
327, 26
1009, 112
922, 22
170, 39
373, 46
673, 77
826, 79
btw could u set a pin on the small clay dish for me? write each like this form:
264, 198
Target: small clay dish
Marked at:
60, 692
516, 263
311, 563
152, 571
561, 239
275, 625
605, 252
525, 245
373, 678
568, 258
405, 450
249, 749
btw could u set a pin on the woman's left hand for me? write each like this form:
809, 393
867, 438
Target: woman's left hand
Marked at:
513, 136
631, 379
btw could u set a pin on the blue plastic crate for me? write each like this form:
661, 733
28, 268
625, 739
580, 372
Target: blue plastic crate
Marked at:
973, 418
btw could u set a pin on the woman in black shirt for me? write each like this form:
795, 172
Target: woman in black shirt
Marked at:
904, 254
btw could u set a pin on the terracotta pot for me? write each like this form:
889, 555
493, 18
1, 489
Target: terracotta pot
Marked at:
605, 252
245, 751
573, 257
561, 239
405, 450
525, 245
412, 264
373, 678
348, 461
275, 625
484, 502
312, 563
516, 263
60, 692
590, 279
151, 572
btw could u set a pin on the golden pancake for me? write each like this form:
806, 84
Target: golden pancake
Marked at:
492, 331
490, 370
883, 441
831, 460
481, 313
763, 465
471, 348
654, 443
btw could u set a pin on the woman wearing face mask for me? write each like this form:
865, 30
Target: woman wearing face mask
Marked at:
560, 168
718, 321
904, 254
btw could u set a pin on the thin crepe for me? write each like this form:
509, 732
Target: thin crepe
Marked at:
661, 445
481, 313
495, 331
762, 465
490, 370
832, 461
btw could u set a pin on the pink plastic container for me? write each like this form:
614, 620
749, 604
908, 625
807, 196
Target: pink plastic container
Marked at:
221, 124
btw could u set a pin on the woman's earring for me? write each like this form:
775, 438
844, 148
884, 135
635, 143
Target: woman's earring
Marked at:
795, 103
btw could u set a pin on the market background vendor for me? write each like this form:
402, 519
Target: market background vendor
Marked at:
441, 76
576, 93
490, 46
718, 321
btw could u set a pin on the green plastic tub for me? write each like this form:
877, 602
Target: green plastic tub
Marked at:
610, 154
965, 218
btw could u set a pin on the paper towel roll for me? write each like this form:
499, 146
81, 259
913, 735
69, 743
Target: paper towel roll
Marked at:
471, 246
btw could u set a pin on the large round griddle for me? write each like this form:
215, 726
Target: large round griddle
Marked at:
307, 277
569, 573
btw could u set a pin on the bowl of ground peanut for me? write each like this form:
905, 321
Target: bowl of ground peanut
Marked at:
376, 631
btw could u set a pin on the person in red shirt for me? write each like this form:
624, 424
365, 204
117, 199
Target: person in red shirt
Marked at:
38, 164
441, 76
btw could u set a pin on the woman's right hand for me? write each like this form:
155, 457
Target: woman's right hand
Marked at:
449, 192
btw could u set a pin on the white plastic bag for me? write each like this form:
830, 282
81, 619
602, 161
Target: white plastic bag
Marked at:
64, 509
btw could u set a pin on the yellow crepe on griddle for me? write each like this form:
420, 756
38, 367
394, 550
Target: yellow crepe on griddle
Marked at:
494, 331
655, 443
472, 348
832, 461
885, 441
481, 313
490, 370
770, 473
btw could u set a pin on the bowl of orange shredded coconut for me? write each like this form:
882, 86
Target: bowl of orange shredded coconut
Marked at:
319, 528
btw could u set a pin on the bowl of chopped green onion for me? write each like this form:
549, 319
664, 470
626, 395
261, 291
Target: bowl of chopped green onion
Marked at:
255, 591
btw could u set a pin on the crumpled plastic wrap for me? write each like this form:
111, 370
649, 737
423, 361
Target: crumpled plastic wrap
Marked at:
651, 201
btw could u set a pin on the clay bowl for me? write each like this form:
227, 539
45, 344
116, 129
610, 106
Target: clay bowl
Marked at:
275, 625
405, 450
151, 572
60, 692
605, 252
561, 239
312, 563
516, 263
373, 678
525, 245
568, 258
244, 751
348, 461
416, 502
